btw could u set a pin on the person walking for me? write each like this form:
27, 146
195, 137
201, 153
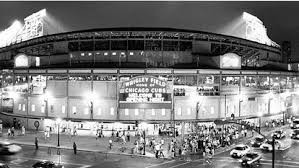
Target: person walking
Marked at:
110, 144
23, 130
128, 136
8, 132
13, 131
36, 143
75, 148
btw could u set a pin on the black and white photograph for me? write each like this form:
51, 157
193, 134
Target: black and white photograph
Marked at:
149, 84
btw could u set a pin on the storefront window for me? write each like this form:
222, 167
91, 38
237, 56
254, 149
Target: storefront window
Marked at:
296, 82
249, 81
208, 85
37, 84
230, 81
104, 77
263, 82
77, 77
274, 83
21, 83
57, 77
283, 83
184, 85
290, 81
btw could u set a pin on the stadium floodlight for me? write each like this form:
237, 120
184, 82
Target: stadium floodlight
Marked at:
250, 18
43, 12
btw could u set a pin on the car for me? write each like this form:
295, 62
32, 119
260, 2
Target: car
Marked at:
250, 159
257, 141
7, 148
267, 145
295, 124
47, 164
240, 150
295, 134
3, 165
279, 134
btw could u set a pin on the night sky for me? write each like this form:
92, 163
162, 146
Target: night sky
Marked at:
280, 18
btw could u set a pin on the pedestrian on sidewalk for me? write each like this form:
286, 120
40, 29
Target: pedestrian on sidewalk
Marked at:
128, 136
23, 130
36, 143
75, 148
13, 131
110, 144
8, 132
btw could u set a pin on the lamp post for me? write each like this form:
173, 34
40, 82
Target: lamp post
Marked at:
143, 142
240, 101
58, 120
91, 97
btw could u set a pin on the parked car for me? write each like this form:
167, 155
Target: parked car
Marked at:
257, 141
240, 150
250, 159
267, 145
295, 134
3, 165
7, 148
47, 164
279, 134
295, 124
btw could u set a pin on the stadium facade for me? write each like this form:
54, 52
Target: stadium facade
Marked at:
120, 78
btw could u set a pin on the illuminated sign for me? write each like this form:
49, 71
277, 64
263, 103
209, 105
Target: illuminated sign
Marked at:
21, 60
145, 89
230, 61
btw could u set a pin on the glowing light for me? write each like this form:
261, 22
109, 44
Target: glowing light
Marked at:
58, 120
13, 95
256, 31
230, 60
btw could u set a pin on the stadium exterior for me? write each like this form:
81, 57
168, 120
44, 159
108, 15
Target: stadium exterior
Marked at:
118, 78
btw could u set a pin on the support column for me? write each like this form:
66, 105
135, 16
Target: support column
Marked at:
67, 96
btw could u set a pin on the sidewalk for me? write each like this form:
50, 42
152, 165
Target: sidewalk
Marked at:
89, 143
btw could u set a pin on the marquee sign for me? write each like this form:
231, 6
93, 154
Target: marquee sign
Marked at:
144, 92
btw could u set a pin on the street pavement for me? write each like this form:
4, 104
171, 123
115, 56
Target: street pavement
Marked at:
93, 156
287, 157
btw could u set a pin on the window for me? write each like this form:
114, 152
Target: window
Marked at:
189, 111
32, 107
99, 111
163, 112
126, 112
106, 53
86, 110
20, 107
179, 111
43, 108
118, 45
212, 110
63, 109
136, 112
37, 61
131, 53
112, 111
102, 45
24, 107
74, 110
153, 112
136, 45
114, 53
